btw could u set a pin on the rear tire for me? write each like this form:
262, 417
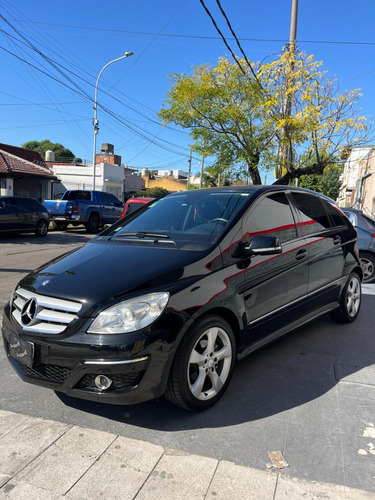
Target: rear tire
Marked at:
93, 224
368, 265
350, 301
203, 365
41, 228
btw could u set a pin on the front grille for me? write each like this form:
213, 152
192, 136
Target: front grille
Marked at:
49, 314
121, 381
50, 373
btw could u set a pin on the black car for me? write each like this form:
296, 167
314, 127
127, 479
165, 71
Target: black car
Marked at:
19, 214
365, 227
168, 298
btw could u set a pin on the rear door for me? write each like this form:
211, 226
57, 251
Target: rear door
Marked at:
274, 285
325, 247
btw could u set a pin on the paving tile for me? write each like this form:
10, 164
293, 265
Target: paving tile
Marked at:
56, 469
179, 476
86, 441
236, 482
9, 421
23, 491
119, 473
26, 442
291, 488
4, 478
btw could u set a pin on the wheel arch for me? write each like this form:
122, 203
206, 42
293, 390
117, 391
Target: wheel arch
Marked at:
229, 316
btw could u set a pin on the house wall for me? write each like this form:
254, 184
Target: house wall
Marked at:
109, 178
6, 187
165, 182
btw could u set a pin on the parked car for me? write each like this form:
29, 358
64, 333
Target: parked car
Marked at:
133, 204
166, 300
93, 209
365, 227
19, 214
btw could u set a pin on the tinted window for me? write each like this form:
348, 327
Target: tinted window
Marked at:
273, 216
77, 195
113, 199
312, 212
335, 214
9, 206
133, 206
104, 198
187, 217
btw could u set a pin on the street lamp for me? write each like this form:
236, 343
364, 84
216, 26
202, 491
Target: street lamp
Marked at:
95, 120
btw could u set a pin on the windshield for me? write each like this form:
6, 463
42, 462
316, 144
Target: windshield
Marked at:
190, 217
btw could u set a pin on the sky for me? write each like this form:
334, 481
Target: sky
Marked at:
51, 54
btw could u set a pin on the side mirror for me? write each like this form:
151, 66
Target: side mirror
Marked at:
263, 245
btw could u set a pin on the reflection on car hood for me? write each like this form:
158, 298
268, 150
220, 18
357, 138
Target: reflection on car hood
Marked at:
99, 271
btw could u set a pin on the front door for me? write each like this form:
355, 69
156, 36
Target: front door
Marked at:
274, 284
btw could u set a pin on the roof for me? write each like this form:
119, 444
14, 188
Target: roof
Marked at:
14, 160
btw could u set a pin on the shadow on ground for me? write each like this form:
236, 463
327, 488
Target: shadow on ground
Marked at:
295, 370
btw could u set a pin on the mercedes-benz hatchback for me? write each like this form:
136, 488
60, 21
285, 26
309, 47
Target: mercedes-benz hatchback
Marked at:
168, 298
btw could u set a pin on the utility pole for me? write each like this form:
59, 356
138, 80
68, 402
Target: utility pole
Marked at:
286, 151
202, 168
189, 171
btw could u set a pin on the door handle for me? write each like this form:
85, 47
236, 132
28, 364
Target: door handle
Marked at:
301, 254
337, 240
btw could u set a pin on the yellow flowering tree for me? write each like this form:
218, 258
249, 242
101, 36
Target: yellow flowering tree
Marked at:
240, 120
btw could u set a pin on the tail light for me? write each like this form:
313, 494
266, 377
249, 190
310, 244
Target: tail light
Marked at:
75, 208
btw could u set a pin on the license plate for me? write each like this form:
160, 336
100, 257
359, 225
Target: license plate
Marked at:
21, 351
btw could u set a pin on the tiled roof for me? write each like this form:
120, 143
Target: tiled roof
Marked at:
14, 160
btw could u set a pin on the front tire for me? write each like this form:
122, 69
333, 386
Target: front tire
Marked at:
203, 364
41, 228
350, 301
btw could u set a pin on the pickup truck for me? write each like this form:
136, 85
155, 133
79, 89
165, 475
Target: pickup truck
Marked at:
93, 209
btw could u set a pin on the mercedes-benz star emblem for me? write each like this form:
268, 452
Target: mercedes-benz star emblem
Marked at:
29, 311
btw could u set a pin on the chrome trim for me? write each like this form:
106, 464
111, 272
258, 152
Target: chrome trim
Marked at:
52, 316
340, 280
115, 361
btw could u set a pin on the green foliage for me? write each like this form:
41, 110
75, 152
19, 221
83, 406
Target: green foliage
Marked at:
61, 153
240, 121
327, 183
155, 192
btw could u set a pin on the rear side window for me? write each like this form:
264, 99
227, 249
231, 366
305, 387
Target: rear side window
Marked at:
133, 206
335, 214
312, 212
272, 216
104, 198
9, 206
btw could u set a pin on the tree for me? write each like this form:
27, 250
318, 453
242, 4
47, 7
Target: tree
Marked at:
61, 153
221, 106
327, 183
240, 120
320, 123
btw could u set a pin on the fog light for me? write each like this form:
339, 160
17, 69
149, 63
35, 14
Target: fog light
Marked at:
103, 382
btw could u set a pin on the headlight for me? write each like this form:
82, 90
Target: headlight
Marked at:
130, 315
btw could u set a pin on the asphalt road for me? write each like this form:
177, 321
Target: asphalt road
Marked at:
310, 395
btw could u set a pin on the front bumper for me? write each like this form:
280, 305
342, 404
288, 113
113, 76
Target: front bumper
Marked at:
137, 365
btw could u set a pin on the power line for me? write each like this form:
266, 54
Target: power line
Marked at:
238, 43
197, 37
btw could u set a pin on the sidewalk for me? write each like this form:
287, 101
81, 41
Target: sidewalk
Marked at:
42, 459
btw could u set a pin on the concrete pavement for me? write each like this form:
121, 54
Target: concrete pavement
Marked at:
42, 459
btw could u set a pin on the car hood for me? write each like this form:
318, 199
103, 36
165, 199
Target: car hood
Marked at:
101, 271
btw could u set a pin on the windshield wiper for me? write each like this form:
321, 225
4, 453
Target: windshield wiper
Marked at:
143, 234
